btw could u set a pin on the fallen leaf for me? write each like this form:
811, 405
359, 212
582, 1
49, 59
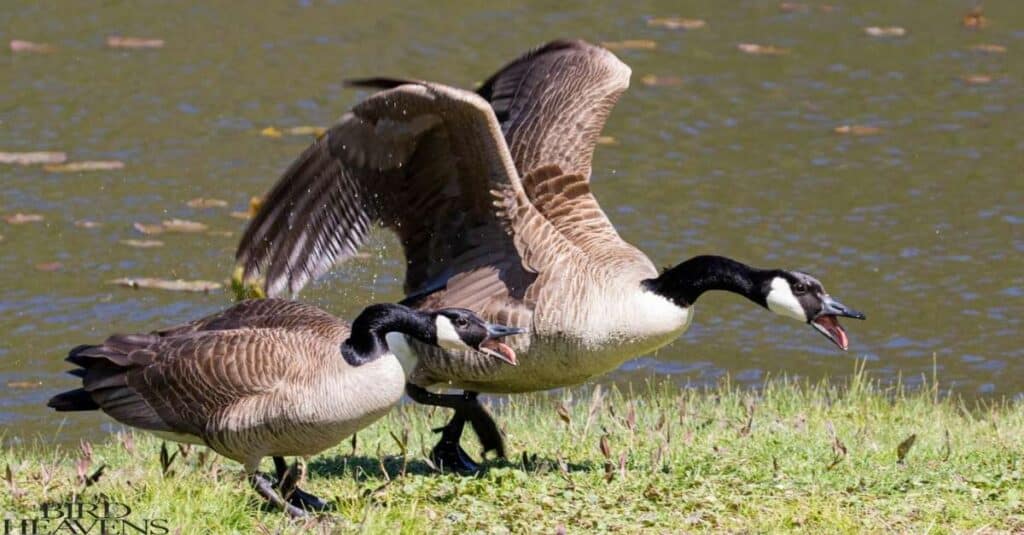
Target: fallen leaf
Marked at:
183, 225
24, 384
661, 81
904, 448
306, 131
18, 45
78, 167
20, 218
143, 244
676, 23
761, 50
630, 44
202, 202
975, 19
49, 266
220, 233
857, 130
148, 229
989, 48
885, 31
606, 140
270, 131
32, 158
121, 41
85, 223
977, 79
176, 285
240, 215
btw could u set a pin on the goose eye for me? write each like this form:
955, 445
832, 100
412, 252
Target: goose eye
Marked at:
461, 322
799, 288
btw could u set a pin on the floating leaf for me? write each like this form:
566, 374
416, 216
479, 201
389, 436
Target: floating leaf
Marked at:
148, 229
904, 448
80, 167
18, 45
33, 158
606, 140
176, 285
306, 131
85, 223
676, 23
989, 48
761, 50
20, 218
977, 79
24, 384
49, 266
857, 130
121, 41
240, 215
270, 131
630, 44
183, 225
885, 31
143, 244
975, 19
202, 202
661, 81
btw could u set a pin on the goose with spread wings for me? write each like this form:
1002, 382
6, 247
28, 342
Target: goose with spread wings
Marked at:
489, 194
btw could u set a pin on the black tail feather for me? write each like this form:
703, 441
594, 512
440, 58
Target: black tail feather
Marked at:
73, 400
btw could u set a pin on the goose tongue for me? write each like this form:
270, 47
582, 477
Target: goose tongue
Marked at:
497, 349
829, 326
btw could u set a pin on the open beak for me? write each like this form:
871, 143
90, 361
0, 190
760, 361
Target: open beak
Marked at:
491, 346
826, 321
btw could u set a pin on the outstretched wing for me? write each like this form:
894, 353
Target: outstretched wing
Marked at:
419, 159
553, 101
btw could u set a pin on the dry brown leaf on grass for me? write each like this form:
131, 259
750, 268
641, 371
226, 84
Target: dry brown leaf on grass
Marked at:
19, 45
606, 140
857, 130
177, 285
270, 131
20, 218
885, 31
122, 41
977, 79
49, 266
791, 7
79, 167
630, 44
203, 202
676, 23
24, 384
306, 131
761, 50
143, 244
33, 158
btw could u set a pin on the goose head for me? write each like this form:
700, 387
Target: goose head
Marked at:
459, 329
797, 295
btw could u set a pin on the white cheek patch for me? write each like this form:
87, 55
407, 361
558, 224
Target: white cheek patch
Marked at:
782, 301
447, 337
401, 349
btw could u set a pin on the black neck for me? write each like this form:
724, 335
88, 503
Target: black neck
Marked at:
366, 343
686, 282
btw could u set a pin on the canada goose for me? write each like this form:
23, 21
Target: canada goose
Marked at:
266, 378
489, 194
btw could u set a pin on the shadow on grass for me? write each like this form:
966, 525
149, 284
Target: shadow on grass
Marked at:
363, 467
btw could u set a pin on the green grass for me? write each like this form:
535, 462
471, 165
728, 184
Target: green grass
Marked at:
791, 457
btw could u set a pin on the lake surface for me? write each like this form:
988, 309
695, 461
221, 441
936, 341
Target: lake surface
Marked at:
920, 223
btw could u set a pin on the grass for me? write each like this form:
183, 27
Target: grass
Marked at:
789, 457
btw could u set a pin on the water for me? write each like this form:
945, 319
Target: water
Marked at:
921, 225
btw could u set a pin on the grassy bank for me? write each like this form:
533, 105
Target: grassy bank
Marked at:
791, 457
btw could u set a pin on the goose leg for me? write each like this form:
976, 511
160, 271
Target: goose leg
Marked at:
448, 453
265, 488
288, 479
